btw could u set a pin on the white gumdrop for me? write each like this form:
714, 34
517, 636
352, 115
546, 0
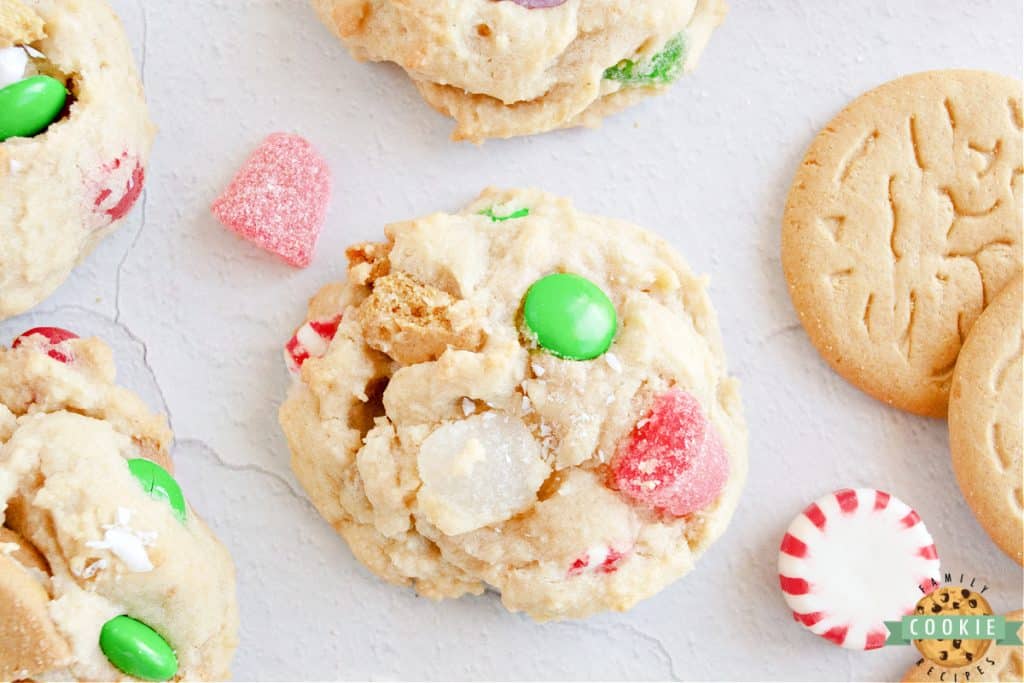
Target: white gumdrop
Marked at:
13, 61
479, 471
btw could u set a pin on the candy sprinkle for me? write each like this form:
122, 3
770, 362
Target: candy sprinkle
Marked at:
279, 198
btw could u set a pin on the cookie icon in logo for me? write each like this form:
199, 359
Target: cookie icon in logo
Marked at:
951, 601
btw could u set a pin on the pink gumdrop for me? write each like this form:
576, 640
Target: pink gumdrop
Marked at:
539, 4
48, 340
673, 460
278, 199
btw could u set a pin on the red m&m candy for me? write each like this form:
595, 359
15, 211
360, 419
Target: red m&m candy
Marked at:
48, 340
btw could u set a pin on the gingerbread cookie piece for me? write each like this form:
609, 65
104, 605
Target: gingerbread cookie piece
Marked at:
985, 420
999, 663
903, 223
106, 572
502, 68
521, 396
953, 600
75, 137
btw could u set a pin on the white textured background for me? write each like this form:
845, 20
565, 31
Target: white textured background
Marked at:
197, 318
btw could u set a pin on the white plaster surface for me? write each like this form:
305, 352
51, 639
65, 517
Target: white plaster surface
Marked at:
197, 318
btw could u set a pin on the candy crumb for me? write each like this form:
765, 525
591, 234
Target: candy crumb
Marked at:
613, 362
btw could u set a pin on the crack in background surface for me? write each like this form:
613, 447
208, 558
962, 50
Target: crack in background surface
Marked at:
220, 461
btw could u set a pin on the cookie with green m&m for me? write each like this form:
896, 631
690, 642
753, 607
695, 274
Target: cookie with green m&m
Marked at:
524, 392
503, 68
106, 573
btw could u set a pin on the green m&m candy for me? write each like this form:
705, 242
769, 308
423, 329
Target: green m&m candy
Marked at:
29, 106
570, 316
138, 650
159, 484
662, 69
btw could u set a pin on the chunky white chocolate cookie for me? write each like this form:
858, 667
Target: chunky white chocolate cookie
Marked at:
68, 186
106, 572
518, 396
503, 68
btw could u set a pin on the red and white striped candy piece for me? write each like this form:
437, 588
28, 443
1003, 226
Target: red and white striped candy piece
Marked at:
598, 560
53, 341
310, 341
853, 560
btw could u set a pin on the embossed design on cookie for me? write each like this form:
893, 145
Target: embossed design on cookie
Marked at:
904, 221
985, 433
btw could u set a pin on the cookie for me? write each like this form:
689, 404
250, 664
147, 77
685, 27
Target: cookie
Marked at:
953, 600
999, 663
985, 420
506, 68
903, 223
29, 640
518, 396
100, 554
69, 186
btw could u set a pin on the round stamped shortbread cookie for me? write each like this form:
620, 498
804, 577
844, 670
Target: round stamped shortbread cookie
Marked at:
521, 396
985, 420
999, 663
903, 223
853, 560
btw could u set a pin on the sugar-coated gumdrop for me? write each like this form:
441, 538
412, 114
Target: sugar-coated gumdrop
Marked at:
48, 340
539, 4
310, 341
278, 199
674, 459
664, 67
479, 471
